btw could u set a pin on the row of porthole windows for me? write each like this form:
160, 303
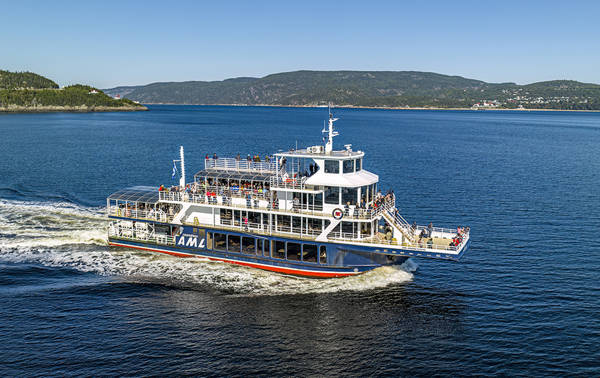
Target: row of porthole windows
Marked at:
305, 252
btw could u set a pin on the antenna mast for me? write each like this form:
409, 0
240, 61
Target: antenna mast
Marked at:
331, 132
182, 160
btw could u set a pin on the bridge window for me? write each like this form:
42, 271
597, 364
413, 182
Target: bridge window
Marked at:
358, 164
220, 242
248, 246
332, 195
348, 166
233, 243
323, 254
332, 166
278, 248
309, 253
293, 251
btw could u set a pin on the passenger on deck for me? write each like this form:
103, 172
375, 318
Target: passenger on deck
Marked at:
215, 156
248, 158
238, 157
430, 229
282, 163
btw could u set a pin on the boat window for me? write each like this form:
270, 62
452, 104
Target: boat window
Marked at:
293, 251
226, 216
283, 223
278, 248
262, 248
209, 240
332, 195
348, 230
349, 195
323, 254
248, 246
332, 166
314, 226
358, 164
254, 219
220, 242
233, 243
363, 194
296, 225
318, 202
365, 229
309, 253
348, 166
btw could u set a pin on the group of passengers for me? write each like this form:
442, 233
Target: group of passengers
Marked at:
251, 191
460, 234
382, 200
253, 158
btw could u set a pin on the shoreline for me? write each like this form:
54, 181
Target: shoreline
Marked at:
381, 107
69, 109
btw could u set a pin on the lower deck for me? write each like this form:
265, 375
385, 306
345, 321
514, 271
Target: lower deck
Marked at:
275, 252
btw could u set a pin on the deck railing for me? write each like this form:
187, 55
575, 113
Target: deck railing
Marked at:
134, 234
157, 215
287, 183
224, 200
240, 165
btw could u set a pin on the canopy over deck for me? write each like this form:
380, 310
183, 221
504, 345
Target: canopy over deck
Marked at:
145, 194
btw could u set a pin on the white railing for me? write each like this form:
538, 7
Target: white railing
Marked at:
287, 183
157, 215
240, 165
134, 234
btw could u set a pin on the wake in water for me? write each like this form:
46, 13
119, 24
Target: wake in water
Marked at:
72, 236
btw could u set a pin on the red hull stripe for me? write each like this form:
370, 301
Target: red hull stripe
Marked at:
298, 272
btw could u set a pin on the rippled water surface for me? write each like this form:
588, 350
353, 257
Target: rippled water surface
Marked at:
525, 300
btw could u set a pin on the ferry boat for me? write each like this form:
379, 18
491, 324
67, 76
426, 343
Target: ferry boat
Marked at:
311, 212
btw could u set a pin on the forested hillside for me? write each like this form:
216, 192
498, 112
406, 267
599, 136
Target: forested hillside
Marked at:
369, 88
24, 80
26, 91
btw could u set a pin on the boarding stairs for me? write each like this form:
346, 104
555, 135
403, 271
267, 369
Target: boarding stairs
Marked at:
399, 223
183, 213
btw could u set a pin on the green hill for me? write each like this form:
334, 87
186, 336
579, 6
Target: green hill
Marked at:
368, 88
29, 92
25, 80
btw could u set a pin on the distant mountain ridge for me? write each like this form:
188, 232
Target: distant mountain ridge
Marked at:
368, 88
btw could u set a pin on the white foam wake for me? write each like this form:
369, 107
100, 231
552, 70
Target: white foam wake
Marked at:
66, 235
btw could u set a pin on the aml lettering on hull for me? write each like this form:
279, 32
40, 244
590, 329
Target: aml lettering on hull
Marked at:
191, 242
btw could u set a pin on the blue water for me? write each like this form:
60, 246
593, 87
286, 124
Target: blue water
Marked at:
524, 301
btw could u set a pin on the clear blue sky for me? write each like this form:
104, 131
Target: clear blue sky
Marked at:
112, 43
